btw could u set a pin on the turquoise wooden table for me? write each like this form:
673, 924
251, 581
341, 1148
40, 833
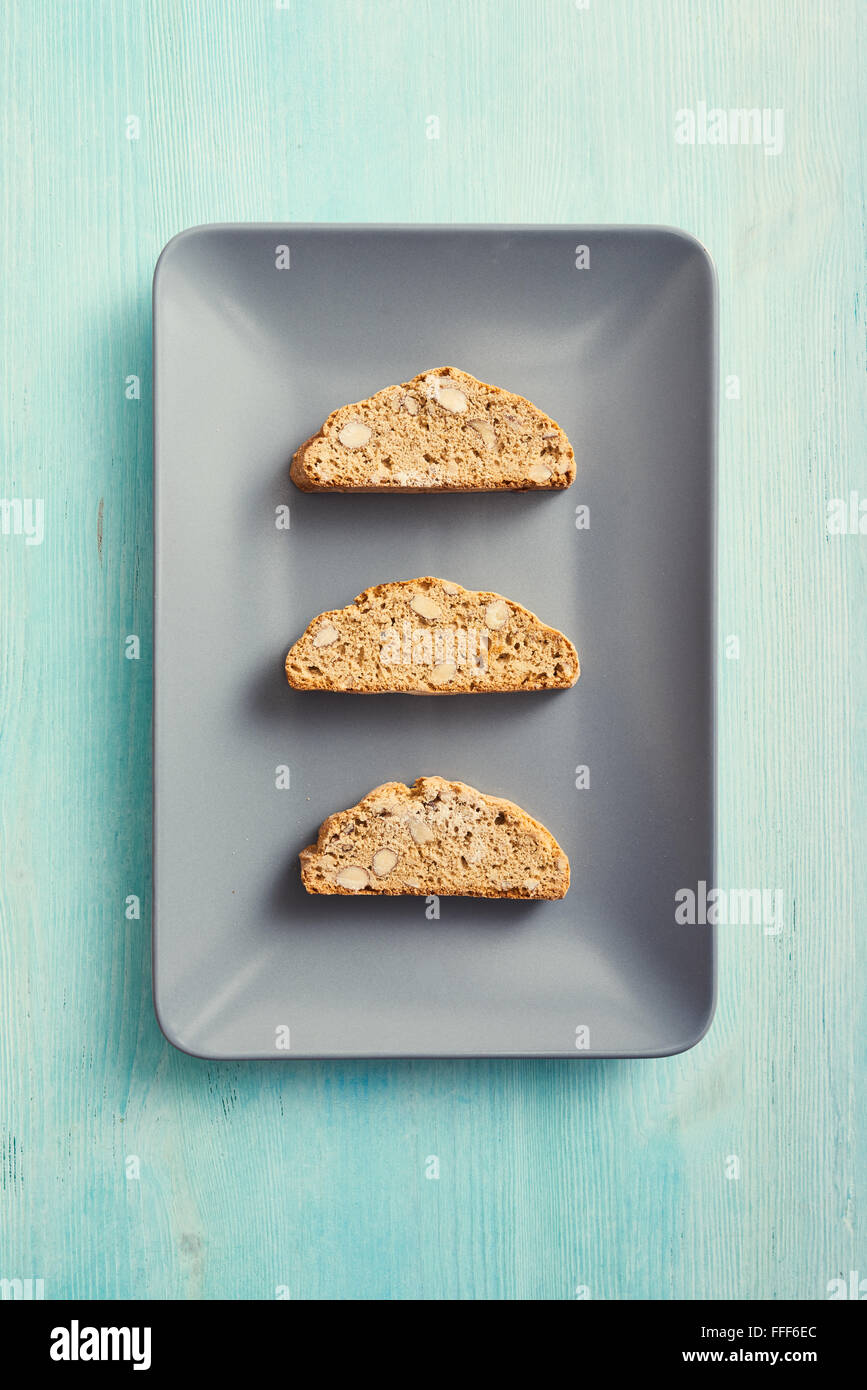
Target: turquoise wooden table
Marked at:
130, 1170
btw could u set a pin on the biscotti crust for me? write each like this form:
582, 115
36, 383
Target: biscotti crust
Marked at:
430, 636
496, 441
436, 837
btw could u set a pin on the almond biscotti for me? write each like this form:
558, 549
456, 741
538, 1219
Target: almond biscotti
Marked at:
435, 837
431, 637
444, 431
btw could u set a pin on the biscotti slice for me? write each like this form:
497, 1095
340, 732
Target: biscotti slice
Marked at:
444, 431
435, 837
430, 637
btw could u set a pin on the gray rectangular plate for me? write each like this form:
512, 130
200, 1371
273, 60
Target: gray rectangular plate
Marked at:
249, 359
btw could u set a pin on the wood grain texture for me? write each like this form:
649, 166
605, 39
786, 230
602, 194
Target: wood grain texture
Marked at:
553, 1176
